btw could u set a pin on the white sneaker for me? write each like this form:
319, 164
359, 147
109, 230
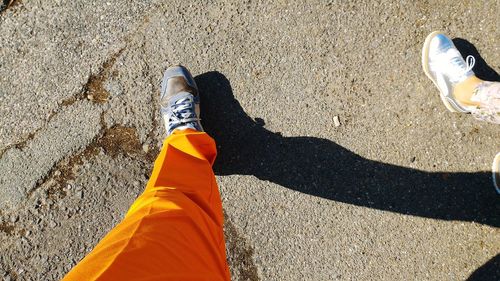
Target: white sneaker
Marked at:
495, 172
444, 65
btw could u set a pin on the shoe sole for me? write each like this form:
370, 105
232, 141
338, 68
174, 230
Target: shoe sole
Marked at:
425, 66
495, 172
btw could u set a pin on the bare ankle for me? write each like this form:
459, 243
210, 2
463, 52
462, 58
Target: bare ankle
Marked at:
464, 90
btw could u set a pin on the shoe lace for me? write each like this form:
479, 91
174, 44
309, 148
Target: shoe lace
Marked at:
182, 113
453, 65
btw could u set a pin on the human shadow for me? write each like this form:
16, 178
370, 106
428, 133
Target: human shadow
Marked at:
325, 169
481, 68
488, 271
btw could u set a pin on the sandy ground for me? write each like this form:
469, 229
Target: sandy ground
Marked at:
399, 190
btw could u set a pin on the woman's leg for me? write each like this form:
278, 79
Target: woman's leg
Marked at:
485, 97
481, 97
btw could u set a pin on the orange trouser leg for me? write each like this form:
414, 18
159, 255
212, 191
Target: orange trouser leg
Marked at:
173, 231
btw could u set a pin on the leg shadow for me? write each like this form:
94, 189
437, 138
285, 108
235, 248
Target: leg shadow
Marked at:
481, 68
489, 271
322, 168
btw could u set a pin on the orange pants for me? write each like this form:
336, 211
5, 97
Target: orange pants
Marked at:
173, 231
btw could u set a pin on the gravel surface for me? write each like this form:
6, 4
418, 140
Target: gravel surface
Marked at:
337, 159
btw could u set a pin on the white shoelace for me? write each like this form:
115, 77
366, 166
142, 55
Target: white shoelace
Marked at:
452, 64
470, 61
182, 113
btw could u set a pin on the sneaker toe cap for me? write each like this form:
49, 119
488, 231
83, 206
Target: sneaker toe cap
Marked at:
439, 43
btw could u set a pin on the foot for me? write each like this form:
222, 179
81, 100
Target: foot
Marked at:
179, 100
444, 65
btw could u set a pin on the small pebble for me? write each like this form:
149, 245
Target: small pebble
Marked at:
145, 147
336, 121
57, 173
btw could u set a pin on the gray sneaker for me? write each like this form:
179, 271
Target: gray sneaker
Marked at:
179, 100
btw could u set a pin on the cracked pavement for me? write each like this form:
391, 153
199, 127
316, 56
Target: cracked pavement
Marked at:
337, 160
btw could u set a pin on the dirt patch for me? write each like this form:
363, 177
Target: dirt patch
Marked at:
20, 145
7, 228
114, 141
65, 169
71, 100
240, 253
120, 140
95, 90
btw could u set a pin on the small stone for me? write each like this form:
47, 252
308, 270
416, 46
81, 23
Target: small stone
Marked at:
52, 224
57, 173
14, 219
90, 97
336, 121
145, 147
79, 194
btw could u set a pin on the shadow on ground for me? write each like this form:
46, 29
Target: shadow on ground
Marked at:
489, 271
322, 168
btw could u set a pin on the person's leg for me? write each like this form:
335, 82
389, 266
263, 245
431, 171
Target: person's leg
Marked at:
486, 99
173, 231
463, 91
459, 87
